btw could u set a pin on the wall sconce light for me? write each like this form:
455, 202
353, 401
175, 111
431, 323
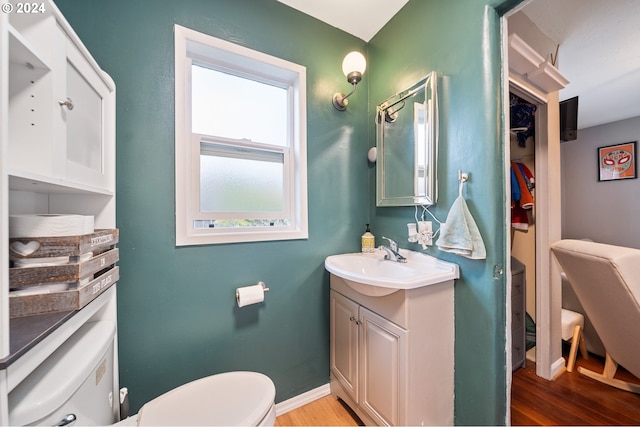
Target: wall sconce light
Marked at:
353, 66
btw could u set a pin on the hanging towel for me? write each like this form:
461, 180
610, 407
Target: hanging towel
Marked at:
460, 234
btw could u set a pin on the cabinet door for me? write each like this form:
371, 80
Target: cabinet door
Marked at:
383, 365
344, 343
84, 108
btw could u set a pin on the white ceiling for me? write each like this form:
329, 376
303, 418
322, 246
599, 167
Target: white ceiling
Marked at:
361, 18
599, 53
599, 45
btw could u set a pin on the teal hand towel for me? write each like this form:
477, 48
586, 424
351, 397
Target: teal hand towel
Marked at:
460, 234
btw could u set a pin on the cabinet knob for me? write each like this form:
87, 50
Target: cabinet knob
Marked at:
66, 103
352, 318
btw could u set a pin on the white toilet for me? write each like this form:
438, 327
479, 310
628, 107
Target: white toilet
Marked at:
230, 399
73, 383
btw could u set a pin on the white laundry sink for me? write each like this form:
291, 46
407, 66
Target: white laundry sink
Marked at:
372, 275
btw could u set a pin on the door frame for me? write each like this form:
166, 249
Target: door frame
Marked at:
549, 361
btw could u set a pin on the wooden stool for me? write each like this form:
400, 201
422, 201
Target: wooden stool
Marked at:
572, 325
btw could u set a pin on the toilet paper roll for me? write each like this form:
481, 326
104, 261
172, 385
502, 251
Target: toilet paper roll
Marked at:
50, 225
250, 295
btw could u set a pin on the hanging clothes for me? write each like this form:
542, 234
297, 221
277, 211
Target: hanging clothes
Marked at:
515, 189
522, 200
522, 114
519, 218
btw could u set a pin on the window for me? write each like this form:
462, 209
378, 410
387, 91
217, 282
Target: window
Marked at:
240, 143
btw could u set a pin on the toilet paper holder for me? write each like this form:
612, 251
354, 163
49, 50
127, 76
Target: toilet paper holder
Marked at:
264, 287
261, 283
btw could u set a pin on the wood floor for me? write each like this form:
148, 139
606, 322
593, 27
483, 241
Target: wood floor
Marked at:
571, 399
327, 411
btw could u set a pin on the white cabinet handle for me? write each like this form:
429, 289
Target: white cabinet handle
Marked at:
67, 103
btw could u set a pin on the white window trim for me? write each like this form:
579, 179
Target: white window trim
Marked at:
192, 44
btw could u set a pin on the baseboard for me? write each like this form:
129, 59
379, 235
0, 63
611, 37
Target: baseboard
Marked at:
302, 399
557, 368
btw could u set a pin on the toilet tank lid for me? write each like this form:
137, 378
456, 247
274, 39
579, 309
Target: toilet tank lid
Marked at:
48, 387
231, 398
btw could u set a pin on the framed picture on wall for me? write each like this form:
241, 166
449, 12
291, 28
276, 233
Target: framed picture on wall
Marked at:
617, 162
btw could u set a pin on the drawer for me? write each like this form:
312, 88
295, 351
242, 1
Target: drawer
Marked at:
518, 347
518, 315
517, 284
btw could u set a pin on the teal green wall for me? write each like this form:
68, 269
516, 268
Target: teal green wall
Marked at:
460, 40
176, 306
176, 311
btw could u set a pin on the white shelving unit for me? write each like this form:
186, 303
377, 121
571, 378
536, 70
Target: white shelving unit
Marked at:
57, 142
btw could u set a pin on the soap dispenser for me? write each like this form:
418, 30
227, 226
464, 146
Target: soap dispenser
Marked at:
368, 242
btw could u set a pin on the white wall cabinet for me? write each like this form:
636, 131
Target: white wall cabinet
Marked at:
61, 106
53, 160
392, 356
86, 108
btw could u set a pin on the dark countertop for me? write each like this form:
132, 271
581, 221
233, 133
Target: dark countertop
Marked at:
26, 332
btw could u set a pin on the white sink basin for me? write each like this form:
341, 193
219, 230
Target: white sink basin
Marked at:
372, 275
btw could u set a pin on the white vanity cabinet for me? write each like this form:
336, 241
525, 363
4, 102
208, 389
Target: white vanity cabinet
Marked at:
53, 160
367, 357
392, 356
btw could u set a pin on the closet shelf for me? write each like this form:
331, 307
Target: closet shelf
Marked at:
548, 78
522, 58
530, 65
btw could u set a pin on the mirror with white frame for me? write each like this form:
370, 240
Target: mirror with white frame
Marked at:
407, 146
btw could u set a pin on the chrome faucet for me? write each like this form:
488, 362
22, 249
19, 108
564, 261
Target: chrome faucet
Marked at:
392, 251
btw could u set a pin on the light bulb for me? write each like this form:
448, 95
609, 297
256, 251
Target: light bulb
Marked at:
354, 62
